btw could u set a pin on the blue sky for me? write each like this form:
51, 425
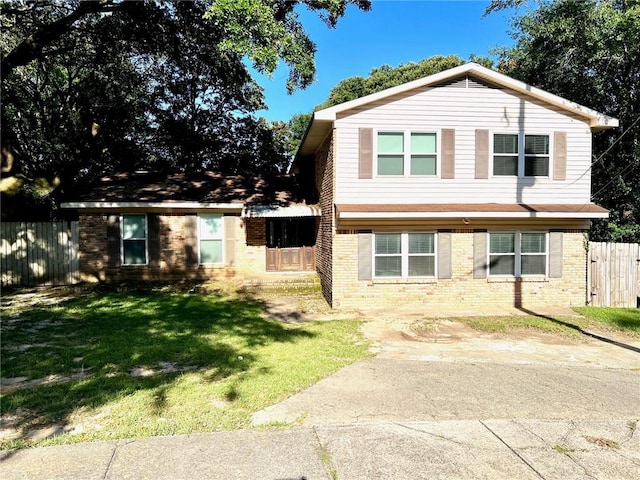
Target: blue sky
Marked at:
394, 32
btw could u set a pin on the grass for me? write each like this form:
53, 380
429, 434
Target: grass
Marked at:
207, 362
627, 319
622, 320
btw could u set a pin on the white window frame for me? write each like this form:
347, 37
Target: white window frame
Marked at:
518, 254
548, 155
404, 254
406, 165
202, 237
521, 154
145, 238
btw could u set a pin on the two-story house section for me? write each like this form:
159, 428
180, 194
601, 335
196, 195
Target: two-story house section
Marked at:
460, 189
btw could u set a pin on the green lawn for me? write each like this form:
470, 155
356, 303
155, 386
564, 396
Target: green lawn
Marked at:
627, 319
622, 320
158, 363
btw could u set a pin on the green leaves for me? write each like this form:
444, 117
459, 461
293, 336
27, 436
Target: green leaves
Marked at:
589, 52
250, 28
267, 31
386, 76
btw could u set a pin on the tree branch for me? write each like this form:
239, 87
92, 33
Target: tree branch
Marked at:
31, 47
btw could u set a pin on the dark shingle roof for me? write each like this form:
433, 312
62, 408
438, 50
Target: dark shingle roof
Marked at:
207, 187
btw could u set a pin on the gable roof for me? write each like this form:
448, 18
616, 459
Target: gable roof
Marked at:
322, 120
180, 190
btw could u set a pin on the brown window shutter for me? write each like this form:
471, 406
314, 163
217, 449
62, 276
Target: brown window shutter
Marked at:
365, 155
364, 256
479, 254
191, 239
444, 254
229, 240
482, 153
555, 254
448, 153
559, 155
113, 240
153, 223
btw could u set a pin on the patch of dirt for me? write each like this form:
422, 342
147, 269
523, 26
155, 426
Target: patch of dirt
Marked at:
162, 368
39, 297
10, 385
450, 331
441, 339
300, 309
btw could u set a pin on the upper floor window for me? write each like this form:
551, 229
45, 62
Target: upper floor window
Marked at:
134, 239
210, 238
517, 253
520, 155
404, 254
412, 152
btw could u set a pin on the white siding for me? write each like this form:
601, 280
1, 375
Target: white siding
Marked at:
465, 110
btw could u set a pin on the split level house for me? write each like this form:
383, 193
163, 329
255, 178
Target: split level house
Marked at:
463, 188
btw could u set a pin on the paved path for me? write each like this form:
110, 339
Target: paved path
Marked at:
388, 390
460, 449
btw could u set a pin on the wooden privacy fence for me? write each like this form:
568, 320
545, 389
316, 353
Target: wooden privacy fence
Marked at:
614, 274
43, 253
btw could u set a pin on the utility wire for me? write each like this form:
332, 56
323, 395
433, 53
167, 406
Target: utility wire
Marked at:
621, 174
602, 154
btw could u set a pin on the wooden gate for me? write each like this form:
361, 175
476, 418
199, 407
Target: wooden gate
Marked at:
43, 253
291, 259
614, 274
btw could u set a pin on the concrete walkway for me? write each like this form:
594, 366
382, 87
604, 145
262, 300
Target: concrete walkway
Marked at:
462, 449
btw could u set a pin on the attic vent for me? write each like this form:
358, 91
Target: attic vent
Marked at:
460, 82
464, 82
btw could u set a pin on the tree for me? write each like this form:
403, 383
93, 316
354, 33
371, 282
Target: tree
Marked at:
269, 30
89, 88
379, 78
384, 77
589, 51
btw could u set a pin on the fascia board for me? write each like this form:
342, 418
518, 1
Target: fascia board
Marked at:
400, 215
596, 119
143, 205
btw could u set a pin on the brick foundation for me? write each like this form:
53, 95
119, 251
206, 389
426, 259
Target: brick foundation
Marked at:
462, 290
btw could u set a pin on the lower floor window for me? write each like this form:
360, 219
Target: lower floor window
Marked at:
517, 253
134, 239
210, 233
404, 254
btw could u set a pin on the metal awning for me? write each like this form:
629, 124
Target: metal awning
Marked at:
274, 211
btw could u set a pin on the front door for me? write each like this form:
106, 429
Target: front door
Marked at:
291, 244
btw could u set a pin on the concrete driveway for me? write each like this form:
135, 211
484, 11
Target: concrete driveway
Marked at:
563, 408
454, 372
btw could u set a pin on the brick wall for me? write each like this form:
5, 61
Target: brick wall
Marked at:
92, 238
462, 290
324, 241
250, 247
95, 264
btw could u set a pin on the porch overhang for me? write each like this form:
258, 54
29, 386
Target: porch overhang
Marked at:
146, 206
470, 210
275, 211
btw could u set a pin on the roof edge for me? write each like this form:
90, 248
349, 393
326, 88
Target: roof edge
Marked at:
143, 205
596, 119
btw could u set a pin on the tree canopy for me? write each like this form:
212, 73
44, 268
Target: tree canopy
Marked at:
89, 88
589, 51
380, 78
